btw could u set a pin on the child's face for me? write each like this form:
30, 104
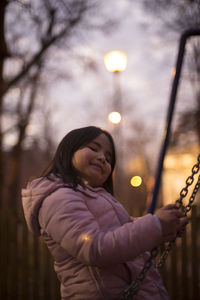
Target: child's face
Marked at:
93, 161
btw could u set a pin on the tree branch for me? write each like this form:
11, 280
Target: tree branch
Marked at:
38, 56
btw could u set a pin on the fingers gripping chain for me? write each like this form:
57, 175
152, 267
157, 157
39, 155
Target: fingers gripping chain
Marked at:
131, 292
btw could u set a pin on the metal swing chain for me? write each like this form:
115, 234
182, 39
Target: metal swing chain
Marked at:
131, 292
186, 209
184, 191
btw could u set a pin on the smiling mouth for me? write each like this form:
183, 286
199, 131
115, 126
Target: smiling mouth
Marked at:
98, 167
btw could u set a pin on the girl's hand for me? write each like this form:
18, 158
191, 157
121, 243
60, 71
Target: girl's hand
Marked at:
172, 221
181, 231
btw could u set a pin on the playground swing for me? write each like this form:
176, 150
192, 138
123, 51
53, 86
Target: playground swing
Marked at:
131, 292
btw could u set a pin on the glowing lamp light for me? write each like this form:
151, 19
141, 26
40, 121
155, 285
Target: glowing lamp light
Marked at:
115, 61
173, 72
114, 117
136, 181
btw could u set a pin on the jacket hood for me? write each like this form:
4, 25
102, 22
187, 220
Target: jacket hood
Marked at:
38, 190
32, 198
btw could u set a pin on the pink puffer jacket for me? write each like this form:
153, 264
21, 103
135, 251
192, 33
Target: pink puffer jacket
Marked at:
97, 248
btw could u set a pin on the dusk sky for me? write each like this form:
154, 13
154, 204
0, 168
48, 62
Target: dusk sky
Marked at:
145, 85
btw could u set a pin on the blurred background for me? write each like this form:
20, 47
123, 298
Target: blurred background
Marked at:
68, 64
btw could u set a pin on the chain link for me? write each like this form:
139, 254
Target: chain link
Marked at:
131, 292
186, 209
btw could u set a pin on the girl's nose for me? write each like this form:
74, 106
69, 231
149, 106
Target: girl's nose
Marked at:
101, 157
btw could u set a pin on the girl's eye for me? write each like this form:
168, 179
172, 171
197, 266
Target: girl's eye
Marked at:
92, 148
108, 161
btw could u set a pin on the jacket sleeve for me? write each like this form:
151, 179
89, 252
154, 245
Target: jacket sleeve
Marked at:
67, 220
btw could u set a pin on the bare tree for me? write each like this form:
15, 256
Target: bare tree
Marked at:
179, 16
30, 32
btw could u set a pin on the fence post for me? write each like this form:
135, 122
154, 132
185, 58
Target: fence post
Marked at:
195, 265
4, 240
184, 268
25, 263
174, 274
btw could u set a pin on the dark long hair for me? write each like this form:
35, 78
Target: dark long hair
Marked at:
61, 165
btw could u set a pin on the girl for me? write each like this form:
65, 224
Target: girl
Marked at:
98, 249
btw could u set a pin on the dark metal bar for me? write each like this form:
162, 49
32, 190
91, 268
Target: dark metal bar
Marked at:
166, 135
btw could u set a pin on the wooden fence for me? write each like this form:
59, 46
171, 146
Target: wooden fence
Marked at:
26, 270
181, 272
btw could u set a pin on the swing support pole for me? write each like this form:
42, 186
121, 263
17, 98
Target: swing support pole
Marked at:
166, 134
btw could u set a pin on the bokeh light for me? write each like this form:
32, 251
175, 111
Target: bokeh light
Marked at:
114, 117
115, 61
136, 181
173, 72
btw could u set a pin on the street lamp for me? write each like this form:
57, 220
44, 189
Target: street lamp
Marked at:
114, 117
115, 62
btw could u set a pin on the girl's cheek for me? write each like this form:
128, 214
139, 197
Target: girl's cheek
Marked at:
109, 169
